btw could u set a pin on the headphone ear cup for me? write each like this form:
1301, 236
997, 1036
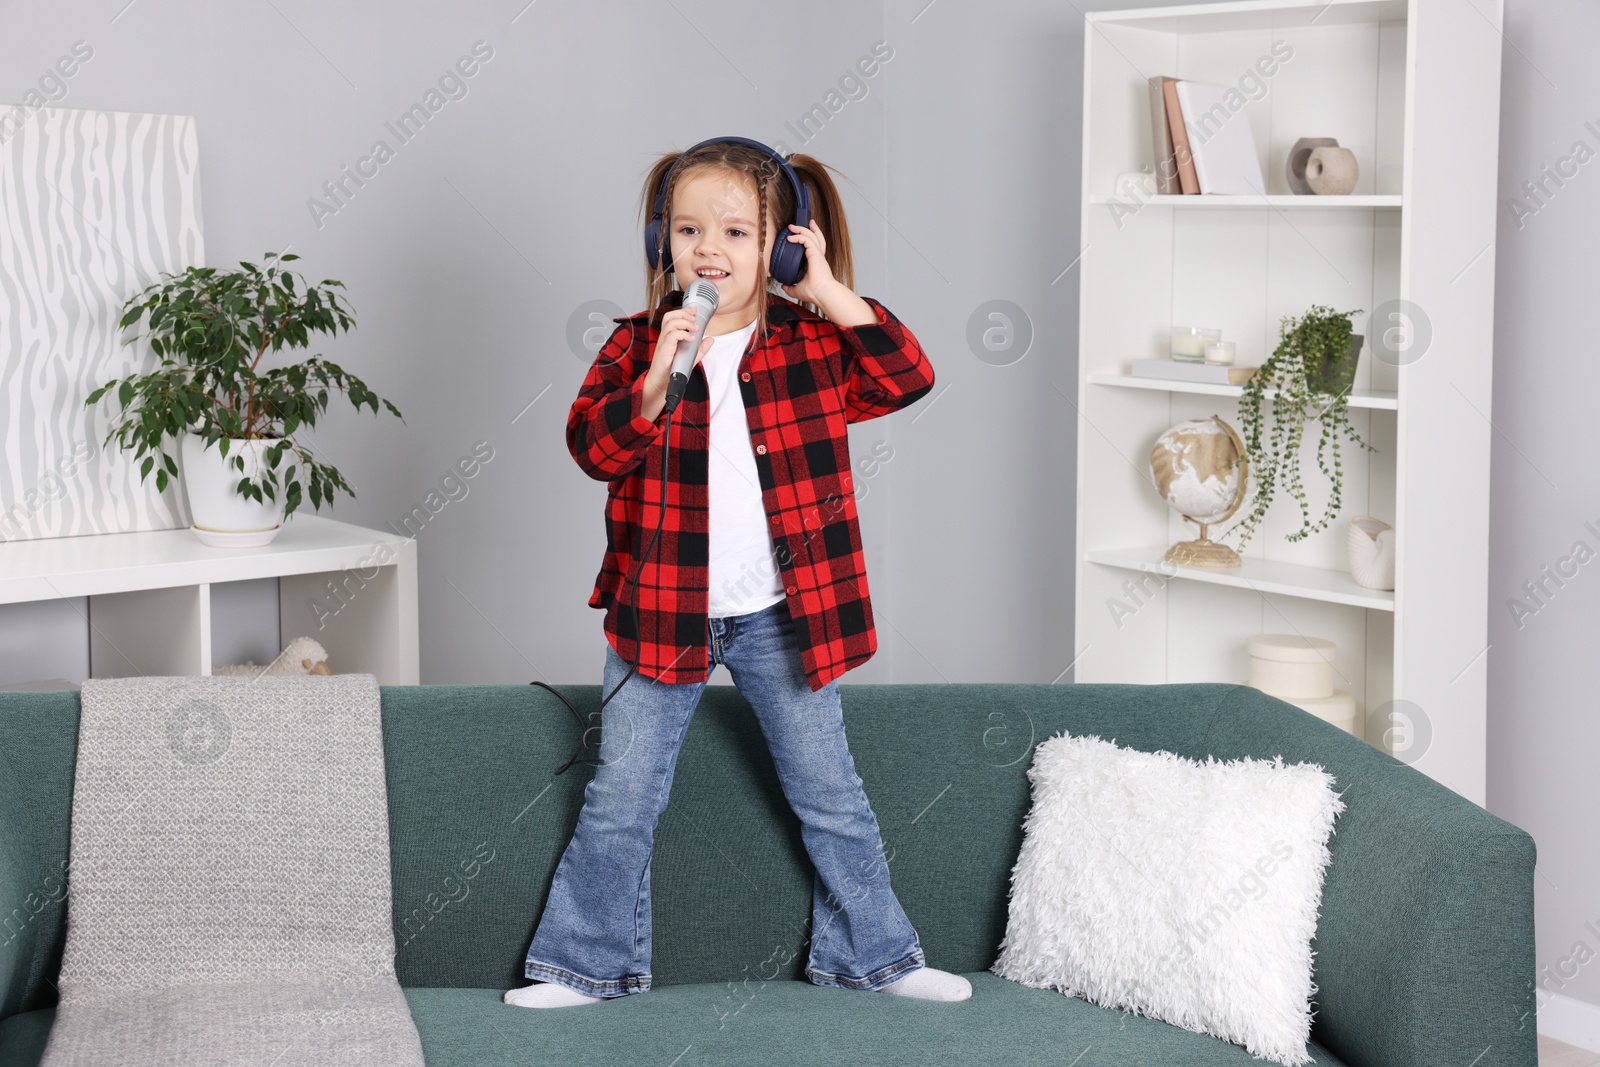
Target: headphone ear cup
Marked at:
652, 234
788, 264
652, 237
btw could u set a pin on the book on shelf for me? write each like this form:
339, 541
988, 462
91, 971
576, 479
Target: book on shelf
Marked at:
1178, 371
1161, 131
1188, 178
1219, 140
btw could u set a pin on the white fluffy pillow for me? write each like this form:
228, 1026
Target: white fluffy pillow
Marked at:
1184, 891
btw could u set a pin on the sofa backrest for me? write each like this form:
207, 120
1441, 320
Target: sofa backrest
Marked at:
473, 791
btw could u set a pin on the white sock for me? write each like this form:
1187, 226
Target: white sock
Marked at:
547, 995
929, 984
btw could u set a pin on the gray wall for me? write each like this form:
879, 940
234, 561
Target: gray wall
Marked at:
469, 251
1543, 670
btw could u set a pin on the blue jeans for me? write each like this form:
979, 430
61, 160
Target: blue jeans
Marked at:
594, 935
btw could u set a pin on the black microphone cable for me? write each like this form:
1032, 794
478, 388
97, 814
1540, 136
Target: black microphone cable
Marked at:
666, 455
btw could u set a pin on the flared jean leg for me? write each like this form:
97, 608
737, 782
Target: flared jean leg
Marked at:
860, 935
595, 933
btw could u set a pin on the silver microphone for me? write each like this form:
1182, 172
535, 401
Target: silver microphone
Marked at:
702, 296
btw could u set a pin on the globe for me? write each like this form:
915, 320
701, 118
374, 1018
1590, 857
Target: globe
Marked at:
1199, 469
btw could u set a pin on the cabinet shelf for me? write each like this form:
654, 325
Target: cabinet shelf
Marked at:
1291, 201
1262, 576
1377, 399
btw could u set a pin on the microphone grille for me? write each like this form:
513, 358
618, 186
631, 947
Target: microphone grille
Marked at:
701, 292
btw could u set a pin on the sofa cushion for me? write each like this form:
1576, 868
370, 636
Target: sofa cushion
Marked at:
1003, 1022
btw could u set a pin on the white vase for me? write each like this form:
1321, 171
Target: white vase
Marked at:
1371, 552
222, 516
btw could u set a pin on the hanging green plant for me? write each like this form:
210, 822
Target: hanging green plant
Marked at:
1312, 371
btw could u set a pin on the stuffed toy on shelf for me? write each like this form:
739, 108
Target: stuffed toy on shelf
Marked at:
300, 656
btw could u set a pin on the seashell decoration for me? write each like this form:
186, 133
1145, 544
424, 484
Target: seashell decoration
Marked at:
1371, 552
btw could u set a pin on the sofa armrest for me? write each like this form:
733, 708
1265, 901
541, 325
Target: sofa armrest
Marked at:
22, 896
1424, 952
38, 749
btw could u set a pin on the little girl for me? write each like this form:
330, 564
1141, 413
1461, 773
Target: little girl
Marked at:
758, 564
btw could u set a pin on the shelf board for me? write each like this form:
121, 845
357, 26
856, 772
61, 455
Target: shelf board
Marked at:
1292, 201
1256, 15
1359, 398
50, 567
1262, 576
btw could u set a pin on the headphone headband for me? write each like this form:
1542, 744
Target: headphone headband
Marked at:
788, 262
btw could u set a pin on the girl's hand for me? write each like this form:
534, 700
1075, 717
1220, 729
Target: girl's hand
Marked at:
818, 280
677, 325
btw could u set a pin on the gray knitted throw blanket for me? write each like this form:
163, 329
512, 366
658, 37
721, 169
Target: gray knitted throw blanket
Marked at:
228, 888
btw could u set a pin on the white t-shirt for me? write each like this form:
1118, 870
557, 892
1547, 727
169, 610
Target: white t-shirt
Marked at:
744, 575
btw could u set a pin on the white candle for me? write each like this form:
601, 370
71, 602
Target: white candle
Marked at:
1219, 351
1189, 342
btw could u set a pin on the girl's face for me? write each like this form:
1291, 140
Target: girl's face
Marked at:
714, 229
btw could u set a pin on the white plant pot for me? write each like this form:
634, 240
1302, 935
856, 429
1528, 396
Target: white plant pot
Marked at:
222, 516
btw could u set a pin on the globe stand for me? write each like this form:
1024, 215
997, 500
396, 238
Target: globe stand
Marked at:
1202, 552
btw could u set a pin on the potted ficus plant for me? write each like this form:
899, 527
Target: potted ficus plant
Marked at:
214, 329
1312, 371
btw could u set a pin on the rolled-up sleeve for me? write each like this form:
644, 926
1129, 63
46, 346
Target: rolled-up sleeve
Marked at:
885, 367
607, 432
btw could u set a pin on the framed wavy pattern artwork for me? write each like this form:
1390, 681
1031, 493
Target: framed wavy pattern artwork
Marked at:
94, 206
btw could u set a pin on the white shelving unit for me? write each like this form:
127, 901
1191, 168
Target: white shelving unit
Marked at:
352, 589
1412, 87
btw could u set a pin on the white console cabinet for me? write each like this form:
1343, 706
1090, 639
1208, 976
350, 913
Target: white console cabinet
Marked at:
352, 589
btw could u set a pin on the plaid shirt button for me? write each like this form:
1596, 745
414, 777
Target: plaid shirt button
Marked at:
790, 590
761, 450
776, 520
744, 376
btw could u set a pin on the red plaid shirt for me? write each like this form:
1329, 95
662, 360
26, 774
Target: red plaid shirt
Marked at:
802, 385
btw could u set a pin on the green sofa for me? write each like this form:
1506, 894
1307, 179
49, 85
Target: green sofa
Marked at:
1424, 950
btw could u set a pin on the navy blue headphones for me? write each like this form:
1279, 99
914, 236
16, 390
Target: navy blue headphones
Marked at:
788, 263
